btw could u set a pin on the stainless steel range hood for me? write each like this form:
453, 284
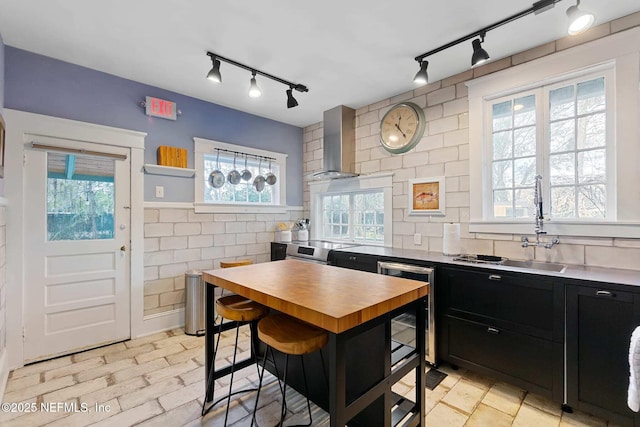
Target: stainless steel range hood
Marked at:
339, 148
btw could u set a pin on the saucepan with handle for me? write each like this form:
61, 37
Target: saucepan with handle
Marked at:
216, 177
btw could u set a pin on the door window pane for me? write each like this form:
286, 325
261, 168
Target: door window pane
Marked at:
80, 197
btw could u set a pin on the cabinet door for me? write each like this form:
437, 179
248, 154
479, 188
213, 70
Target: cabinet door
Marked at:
599, 326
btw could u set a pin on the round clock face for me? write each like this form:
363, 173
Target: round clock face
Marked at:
402, 127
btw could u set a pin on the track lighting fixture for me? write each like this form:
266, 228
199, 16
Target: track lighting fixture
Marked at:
214, 75
479, 54
579, 21
291, 101
254, 89
422, 77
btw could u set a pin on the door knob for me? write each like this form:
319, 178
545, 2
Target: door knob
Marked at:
123, 248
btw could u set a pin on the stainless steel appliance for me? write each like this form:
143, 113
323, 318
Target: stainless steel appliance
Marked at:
403, 327
310, 251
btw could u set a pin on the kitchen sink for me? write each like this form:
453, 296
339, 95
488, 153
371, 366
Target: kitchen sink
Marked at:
535, 265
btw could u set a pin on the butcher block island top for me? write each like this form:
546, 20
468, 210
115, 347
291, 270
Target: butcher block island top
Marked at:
332, 298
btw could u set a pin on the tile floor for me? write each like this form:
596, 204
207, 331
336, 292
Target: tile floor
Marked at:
159, 381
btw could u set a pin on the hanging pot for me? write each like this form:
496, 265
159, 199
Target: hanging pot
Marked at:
259, 181
270, 178
246, 173
234, 176
216, 177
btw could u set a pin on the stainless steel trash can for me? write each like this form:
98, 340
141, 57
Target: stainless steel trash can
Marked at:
195, 300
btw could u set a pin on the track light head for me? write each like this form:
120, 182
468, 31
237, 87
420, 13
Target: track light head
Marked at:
422, 76
254, 90
214, 75
579, 20
291, 101
479, 54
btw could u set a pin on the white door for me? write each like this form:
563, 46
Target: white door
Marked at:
77, 239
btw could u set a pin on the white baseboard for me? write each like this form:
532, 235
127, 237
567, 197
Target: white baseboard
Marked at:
4, 373
161, 322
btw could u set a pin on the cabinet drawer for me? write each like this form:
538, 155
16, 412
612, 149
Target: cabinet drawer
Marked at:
354, 261
518, 303
532, 363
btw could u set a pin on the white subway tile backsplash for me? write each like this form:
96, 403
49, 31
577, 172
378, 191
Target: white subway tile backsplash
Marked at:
402, 97
441, 96
446, 124
172, 270
199, 217
457, 137
429, 170
245, 238
235, 251
151, 244
458, 168
201, 241
427, 88
212, 252
612, 257
186, 255
391, 163
455, 107
224, 239
212, 227
151, 215
187, 228
173, 243
412, 159
158, 258
235, 227
173, 215
158, 229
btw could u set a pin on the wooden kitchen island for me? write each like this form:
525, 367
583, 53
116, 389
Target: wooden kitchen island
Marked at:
355, 308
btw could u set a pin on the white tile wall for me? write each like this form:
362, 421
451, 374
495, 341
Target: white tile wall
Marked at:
178, 240
444, 150
3, 288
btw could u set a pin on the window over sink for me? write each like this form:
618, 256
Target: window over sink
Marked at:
570, 117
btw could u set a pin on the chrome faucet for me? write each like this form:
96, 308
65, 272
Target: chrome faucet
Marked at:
539, 228
537, 201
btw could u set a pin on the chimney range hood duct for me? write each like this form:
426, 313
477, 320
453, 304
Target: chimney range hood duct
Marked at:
339, 147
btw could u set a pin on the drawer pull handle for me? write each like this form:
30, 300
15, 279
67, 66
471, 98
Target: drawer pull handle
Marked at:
495, 277
493, 330
352, 258
605, 294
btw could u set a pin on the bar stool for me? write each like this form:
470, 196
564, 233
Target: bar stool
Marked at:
240, 310
291, 337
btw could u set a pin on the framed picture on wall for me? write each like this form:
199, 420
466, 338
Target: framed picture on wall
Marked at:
426, 196
2, 132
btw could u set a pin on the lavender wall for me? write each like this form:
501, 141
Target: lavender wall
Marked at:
43, 85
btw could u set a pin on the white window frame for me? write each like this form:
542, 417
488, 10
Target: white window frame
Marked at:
359, 184
206, 146
621, 54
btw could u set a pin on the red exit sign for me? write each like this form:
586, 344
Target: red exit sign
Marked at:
161, 108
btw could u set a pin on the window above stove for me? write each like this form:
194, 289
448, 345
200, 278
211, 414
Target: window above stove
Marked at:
356, 210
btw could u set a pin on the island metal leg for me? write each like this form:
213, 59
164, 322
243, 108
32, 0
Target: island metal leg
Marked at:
337, 380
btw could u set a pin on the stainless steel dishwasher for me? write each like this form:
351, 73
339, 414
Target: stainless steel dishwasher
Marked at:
403, 326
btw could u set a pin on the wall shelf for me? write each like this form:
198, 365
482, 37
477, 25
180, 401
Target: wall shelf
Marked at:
169, 170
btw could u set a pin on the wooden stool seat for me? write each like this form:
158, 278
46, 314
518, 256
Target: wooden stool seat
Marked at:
238, 263
291, 336
240, 309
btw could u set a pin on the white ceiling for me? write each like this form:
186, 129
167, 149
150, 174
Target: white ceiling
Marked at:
351, 52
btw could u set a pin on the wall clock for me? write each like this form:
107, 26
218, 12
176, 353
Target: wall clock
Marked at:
402, 127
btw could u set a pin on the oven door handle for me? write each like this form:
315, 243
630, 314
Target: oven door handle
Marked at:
385, 265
